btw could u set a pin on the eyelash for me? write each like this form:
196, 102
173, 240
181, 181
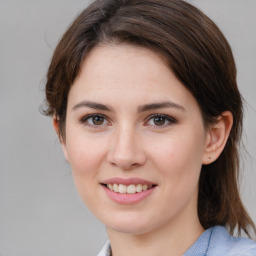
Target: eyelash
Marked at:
170, 120
84, 120
166, 118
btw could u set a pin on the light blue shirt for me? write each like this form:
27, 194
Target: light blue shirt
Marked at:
214, 241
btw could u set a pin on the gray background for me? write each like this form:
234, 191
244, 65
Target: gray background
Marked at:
40, 211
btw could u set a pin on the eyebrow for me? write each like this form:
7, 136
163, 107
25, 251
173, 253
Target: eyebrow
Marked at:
165, 104
93, 105
142, 108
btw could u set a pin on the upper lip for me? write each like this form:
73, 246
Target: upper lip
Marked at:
127, 181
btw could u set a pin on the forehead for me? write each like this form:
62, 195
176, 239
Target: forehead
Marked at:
127, 73
113, 60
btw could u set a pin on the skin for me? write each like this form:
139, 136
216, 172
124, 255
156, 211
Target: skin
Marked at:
128, 142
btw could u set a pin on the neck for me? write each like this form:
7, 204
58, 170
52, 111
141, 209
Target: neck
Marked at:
174, 238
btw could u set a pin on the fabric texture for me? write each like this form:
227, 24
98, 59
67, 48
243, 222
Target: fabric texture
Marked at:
215, 241
106, 250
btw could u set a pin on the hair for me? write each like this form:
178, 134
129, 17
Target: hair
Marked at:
200, 57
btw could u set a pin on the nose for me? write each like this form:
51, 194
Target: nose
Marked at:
126, 149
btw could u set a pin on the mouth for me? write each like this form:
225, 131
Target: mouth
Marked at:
128, 189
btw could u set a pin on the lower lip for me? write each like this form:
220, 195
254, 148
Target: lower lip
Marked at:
128, 198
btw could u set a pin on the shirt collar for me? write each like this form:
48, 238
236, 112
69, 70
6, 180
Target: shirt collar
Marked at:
106, 250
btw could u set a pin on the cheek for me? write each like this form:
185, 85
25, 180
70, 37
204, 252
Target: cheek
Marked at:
84, 153
179, 164
179, 157
85, 158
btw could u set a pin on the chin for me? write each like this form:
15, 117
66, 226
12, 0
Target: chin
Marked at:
130, 229
136, 226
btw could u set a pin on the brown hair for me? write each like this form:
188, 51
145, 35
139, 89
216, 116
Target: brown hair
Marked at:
200, 57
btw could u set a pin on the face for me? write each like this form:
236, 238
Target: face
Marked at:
135, 140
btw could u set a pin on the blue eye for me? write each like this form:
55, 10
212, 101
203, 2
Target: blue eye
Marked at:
94, 120
160, 120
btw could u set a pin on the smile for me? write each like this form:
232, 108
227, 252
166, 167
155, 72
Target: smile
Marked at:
130, 189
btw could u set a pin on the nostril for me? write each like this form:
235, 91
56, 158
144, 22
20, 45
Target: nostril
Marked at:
126, 153
124, 164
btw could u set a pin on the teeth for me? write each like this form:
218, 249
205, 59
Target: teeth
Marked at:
110, 186
139, 188
130, 189
122, 189
115, 187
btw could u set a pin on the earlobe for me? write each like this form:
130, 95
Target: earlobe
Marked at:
56, 127
55, 123
63, 144
217, 136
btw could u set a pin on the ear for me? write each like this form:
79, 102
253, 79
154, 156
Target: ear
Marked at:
217, 136
55, 121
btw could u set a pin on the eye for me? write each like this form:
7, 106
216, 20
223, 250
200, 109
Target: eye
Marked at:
160, 120
94, 120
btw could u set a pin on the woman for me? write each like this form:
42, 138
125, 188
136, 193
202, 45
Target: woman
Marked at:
144, 99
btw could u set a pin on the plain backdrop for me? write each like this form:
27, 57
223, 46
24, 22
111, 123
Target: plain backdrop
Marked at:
40, 211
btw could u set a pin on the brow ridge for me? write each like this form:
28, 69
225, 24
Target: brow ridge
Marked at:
157, 105
93, 105
142, 108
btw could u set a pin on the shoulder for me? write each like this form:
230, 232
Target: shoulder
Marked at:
221, 243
